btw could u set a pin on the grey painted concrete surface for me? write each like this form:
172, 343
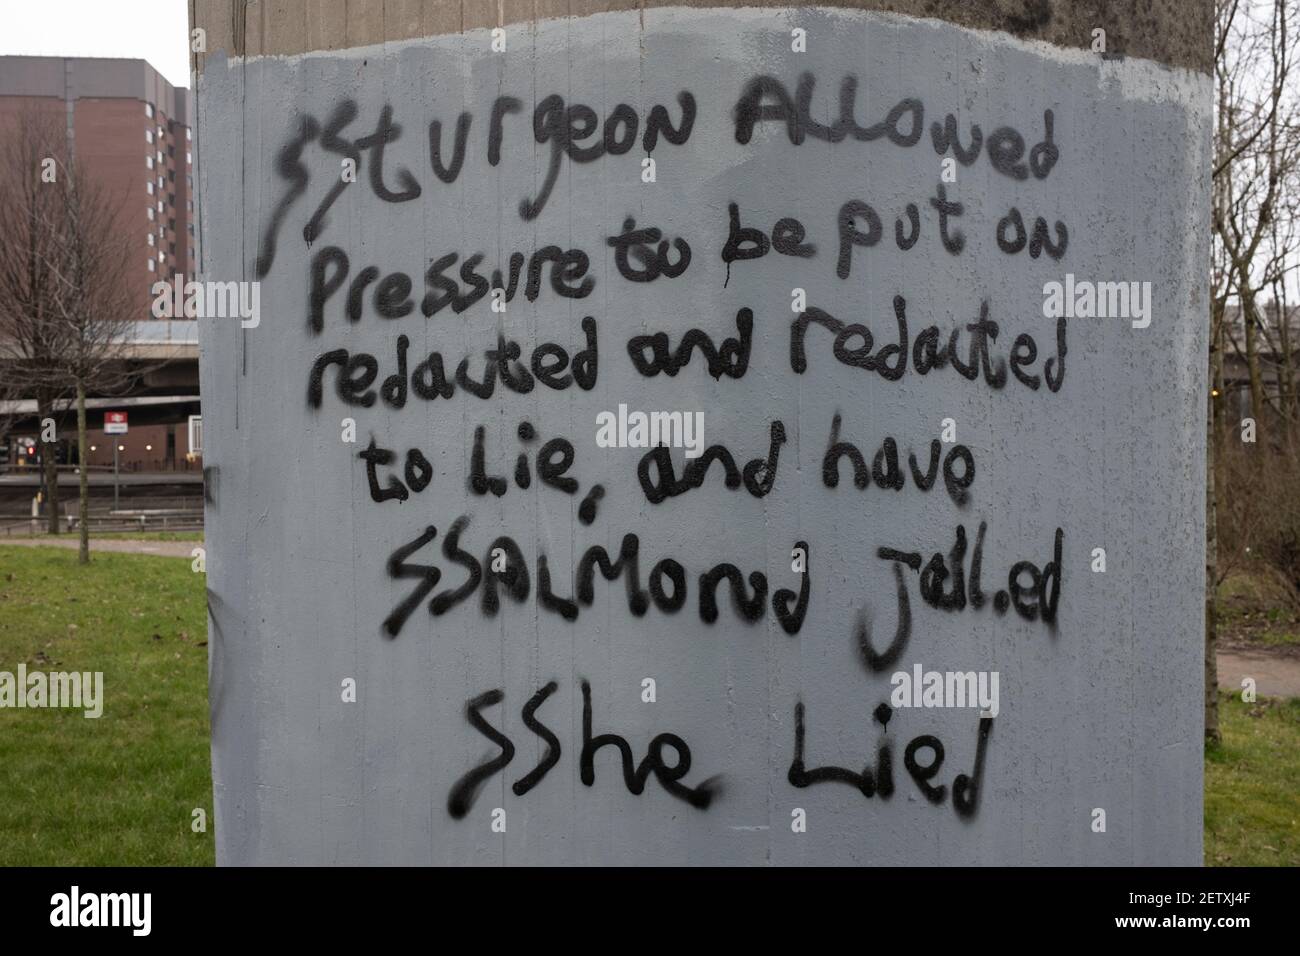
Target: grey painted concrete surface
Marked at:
1098, 709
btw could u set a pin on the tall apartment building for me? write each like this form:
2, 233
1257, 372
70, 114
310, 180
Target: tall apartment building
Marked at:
131, 130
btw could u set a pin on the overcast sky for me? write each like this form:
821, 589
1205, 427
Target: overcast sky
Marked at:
153, 30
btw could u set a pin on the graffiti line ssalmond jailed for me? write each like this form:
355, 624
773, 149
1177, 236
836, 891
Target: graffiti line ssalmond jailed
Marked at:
661, 445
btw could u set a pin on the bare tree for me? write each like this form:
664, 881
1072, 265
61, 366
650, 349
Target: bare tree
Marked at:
30, 334
1255, 241
1256, 158
93, 304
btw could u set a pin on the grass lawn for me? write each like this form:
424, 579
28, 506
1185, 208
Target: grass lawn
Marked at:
1252, 785
121, 789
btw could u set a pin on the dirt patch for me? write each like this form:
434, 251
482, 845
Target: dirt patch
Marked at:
1274, 675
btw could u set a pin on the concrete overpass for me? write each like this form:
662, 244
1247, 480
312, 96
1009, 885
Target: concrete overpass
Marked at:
162, 357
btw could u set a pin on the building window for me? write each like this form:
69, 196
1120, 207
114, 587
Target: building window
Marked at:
150, 237
189, 134
189, 157
171, 199
160, 205
171, 175
149, 210
189, 181
148, 110
171, 248
148, 136
161, 182
151, 265
148, 162
149, 187
161, 257
171, 151
189, 204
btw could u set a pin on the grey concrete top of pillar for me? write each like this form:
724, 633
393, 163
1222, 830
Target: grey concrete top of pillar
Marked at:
1173, 32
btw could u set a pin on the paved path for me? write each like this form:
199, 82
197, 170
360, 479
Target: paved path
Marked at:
169, 549
1275, 675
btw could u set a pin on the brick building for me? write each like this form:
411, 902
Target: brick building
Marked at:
131, 130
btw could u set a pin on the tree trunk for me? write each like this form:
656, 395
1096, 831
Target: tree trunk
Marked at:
49, 454
83, 506
1218, 424
1286, 374
1211, 580
1252, 358
50, 463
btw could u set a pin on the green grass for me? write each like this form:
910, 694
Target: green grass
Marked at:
1252, 785
119, 789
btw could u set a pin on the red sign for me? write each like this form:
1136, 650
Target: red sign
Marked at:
115, 423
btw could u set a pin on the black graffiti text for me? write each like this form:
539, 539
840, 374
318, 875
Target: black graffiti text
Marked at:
391, 296
659, 481
1033, 592
355, 373
669, 772
504, 569
652, 353
958, 466
923, 758
766, 99
570, 129
853, 343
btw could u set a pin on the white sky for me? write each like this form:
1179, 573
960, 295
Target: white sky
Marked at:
153, 30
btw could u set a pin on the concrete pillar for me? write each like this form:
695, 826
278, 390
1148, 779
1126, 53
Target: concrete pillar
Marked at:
917, 575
